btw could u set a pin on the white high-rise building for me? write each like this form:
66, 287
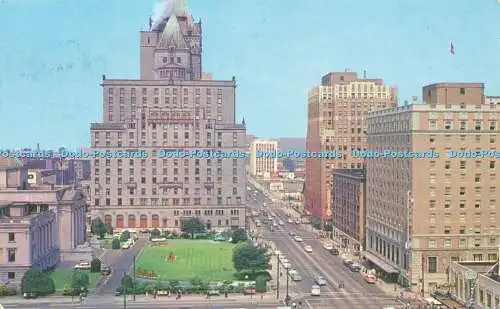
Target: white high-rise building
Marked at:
263, 161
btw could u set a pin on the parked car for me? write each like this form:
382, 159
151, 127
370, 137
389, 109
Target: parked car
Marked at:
298, 239
308, 249
106, 271
82, 266
328, 246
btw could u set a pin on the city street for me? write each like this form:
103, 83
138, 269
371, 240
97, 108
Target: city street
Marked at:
119, 265
146, 303
355, 294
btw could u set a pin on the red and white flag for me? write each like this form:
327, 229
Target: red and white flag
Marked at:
452, 48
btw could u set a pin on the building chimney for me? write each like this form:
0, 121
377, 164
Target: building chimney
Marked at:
364, 74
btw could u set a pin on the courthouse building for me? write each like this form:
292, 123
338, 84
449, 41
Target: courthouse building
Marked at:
422, 214
263, 165
173, 105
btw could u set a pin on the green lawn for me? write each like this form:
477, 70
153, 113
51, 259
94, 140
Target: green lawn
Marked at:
62, 276
204, 259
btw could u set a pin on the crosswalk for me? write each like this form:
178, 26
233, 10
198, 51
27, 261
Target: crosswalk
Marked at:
350, 300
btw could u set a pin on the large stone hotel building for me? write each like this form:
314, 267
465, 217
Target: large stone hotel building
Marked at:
424, 213
173, 105
336, 113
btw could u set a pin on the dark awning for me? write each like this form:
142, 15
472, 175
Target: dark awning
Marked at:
380, 263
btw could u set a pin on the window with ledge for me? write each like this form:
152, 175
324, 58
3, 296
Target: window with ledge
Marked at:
11, 255
12, 237
432, 264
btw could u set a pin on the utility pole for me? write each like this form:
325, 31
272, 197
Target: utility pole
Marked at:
278, 276
287, 295
422, 275
133, 283
124, 290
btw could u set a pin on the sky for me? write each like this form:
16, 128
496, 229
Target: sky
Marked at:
54, 52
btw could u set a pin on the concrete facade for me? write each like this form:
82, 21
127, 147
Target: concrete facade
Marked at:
37, 224
172, 106
481, 280
263, 166
423, 213
348, 204
336, 113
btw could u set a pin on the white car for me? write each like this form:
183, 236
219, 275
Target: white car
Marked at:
328, 246
290, 221
281, 223
284, 261
298, 239
315, 290
287, 265
83, 265
308, 249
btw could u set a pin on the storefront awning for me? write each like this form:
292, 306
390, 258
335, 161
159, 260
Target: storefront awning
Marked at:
380, 263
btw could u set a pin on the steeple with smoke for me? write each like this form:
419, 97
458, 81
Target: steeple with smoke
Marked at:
171, 49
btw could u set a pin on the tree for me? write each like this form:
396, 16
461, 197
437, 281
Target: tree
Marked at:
248, 257
316, 223
155, 233
98, 227
261, 284
126, 283
125, 236
192, 226
95, 265
37, 282
239, 235
79, 281
109, 229
115, 244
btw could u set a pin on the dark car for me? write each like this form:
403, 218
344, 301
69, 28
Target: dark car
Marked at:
334, 251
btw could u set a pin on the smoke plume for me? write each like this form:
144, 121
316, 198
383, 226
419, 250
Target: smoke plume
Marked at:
162, 10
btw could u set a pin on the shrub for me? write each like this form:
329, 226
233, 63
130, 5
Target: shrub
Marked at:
37, 282
7, 291
116, 243
95, 265
156, 233
125, 236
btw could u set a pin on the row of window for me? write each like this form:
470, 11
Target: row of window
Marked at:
164, 162
156, 91
170, 201
166, 191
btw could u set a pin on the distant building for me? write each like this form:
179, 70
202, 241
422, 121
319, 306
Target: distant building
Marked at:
263, 161
348, 204
289, 165
336, 112
38, 224
422, 213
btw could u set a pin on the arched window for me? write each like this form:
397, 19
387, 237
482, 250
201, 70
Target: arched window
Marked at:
144, 222
108, 220
119, 221
131, 221
155, 221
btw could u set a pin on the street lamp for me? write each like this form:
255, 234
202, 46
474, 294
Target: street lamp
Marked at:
287, 298
278, 276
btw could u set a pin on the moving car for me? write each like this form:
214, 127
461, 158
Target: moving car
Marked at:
328, 246
347, 262
315, 290
291, 233
298, 239
355, 267
320, 280
281, 223
308, 248
105, 271
334, 251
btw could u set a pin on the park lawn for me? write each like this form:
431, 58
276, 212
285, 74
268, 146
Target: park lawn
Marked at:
203, 259
62, 276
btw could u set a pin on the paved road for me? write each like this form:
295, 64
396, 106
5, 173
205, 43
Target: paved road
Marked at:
355, 294
120, 264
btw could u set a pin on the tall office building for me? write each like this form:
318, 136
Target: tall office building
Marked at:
422, 213
173, 105
263, 165
336, 112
